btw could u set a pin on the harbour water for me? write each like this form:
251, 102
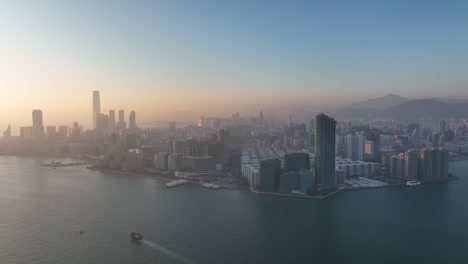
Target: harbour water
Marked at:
42, 211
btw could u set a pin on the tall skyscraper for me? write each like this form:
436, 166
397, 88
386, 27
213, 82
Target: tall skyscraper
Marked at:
112, 120
201, 121
96, 107
325, 127
38, 126
296, 162
270, 171
290, 120
360, 142
442, 127
132, 120
102, 123
122, 124
261, 118
411, 165
7, 132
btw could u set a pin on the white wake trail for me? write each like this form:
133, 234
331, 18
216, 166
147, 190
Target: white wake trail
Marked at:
167, 251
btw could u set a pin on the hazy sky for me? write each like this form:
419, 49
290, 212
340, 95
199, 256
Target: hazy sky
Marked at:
158, 56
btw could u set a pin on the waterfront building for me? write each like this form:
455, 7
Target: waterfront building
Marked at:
324, 152
38, 126
411, 165
7, 132
96, 107
161, 160
296, 161
270, 171
296, 182
174, 161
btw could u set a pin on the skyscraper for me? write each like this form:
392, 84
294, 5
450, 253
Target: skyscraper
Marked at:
270, 171
102, 123
296, 162
132, 120
442, 127
201, 121
96, 107
111, 120
7, 132
38, 126
261, 118
324, 152
122, 124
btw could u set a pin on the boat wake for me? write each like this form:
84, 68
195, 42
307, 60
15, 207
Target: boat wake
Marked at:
167, 251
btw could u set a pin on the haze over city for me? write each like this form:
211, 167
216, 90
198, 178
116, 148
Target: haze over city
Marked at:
216, 58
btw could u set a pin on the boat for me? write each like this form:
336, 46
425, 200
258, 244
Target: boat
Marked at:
412, 183
176, 183
136, 236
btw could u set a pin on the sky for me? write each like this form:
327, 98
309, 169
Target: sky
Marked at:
219, 56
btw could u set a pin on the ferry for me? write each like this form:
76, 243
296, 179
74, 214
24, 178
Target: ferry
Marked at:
176, 183
412, 183
136, 236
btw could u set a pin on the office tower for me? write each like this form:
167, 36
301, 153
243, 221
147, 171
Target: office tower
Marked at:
442, 127
132, 120
112, 123
296, 182
290, 120
7, 132
349, 146
270, 171
122, 124
51, 132
102, 123
201, 121
296, 162
360, 140
96, 107
369, 150
324, 152
38, 127
26, 132
435, 139
411, 165
261, 118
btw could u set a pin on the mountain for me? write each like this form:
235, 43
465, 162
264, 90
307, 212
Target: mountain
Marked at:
411, 110
381, 103
416, 109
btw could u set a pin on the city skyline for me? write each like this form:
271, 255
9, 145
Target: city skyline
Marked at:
158, 58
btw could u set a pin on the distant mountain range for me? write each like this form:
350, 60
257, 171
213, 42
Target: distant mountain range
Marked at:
407, 109
381, 103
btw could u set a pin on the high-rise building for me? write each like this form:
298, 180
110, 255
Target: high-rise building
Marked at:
102, 123
324, 152
434, 163
122, 124
132, 120
96, 107
411, 165
112, 123
290, 120
442, 127
7, 132
38, 126
201, 121
261, 118
349, 146
296, 162
369, 150
270, 171
51, 132
360, 141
